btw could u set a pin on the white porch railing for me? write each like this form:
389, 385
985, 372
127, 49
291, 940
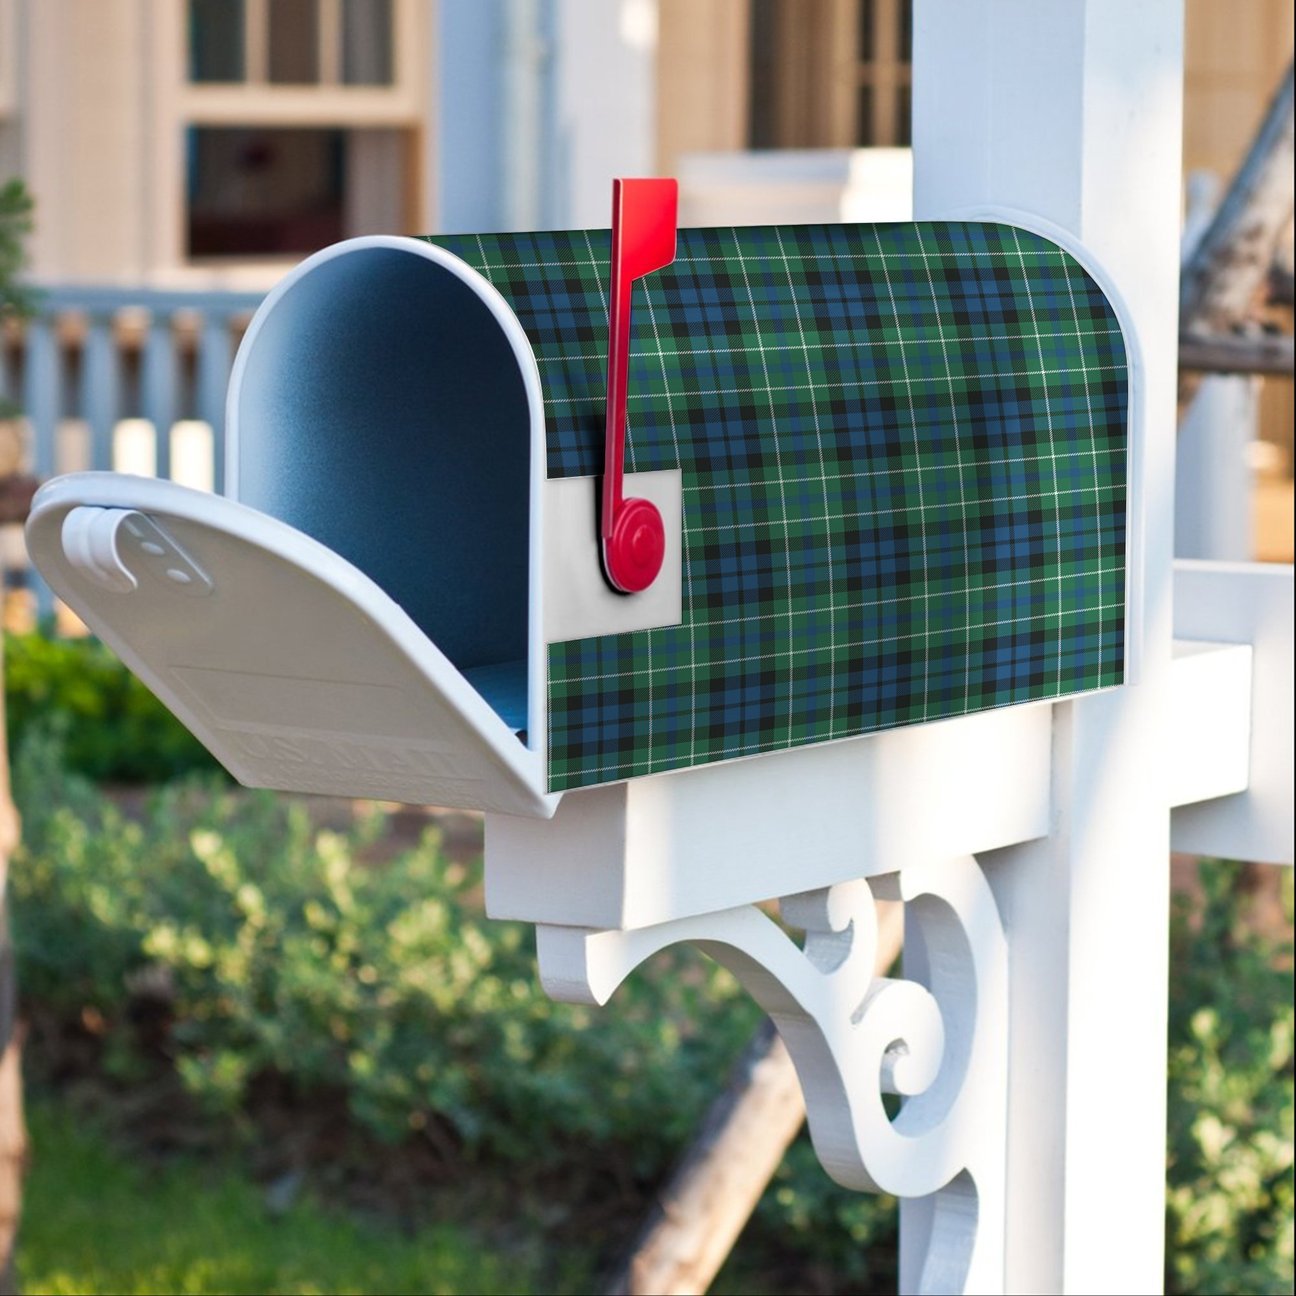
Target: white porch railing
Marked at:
123, 379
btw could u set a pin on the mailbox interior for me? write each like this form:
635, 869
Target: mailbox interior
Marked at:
385, 402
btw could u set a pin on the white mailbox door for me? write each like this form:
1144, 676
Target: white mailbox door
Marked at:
286, 661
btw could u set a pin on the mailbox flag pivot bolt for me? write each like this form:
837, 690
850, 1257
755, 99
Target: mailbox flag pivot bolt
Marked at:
644, 219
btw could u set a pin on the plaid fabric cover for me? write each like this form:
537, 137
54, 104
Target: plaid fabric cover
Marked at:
903, 451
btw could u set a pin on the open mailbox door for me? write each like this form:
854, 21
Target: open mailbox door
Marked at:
293, 667
363, 618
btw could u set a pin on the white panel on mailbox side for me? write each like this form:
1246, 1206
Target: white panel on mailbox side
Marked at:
287, 662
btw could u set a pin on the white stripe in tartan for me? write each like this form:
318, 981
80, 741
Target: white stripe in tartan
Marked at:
778, 456
814, 409
922, 521
1048, 423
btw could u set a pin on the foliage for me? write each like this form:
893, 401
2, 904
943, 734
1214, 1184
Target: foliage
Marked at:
94, 1221
282, 953
15, 224
848, 1239
1230, 1197
112, 727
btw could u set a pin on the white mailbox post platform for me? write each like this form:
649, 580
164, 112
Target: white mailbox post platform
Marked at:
317, 640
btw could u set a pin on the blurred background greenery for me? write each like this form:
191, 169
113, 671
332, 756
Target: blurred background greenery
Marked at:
287, 1021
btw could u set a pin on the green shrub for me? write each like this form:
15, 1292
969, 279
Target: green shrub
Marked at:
1229, 1200
846, 1239
282, 954
113, 728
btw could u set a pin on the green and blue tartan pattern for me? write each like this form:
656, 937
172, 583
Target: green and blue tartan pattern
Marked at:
903, 450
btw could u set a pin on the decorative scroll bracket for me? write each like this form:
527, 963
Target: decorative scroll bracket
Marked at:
938, 1037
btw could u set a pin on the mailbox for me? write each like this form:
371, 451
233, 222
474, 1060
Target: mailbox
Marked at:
887, 465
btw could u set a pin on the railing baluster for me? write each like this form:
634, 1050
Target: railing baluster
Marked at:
103, 383
213, 374
41, 393
41, 389
100, 390
159, 384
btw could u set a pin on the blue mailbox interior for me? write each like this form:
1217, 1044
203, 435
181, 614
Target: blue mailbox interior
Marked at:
382, 411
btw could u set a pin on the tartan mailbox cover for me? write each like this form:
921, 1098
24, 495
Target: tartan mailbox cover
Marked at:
891, 462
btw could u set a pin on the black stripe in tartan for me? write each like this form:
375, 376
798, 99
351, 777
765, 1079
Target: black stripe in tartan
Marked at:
903, 451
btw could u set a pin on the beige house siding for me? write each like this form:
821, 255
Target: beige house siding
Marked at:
83, 109
702, 83
1234, 55
96, 123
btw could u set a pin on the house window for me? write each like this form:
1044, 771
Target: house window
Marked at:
257, 192
830, 73
264, 192
884, 71
366, 42
293, 50
216, 46
291, 42
300, 124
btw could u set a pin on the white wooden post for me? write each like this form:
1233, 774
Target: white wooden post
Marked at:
1214, 514
1072, 112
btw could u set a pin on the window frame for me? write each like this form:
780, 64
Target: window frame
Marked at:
255, 100
814, 100
181, 103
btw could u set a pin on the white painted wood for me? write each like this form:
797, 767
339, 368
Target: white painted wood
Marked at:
1214, 513
678, 845
579, 603
290, 665
1245, 603
1072, 112
525, 54
1208, 745
854, 1036
603, 109
795, 186
466, 77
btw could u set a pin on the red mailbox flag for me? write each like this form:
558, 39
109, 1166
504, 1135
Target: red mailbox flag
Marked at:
644, 219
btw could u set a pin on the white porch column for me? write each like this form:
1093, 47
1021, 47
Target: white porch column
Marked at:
541, 103
605, 78
1214, 510
1071, 111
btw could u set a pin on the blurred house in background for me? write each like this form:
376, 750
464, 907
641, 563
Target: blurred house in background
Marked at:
211, 142
184, 153
204, 142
